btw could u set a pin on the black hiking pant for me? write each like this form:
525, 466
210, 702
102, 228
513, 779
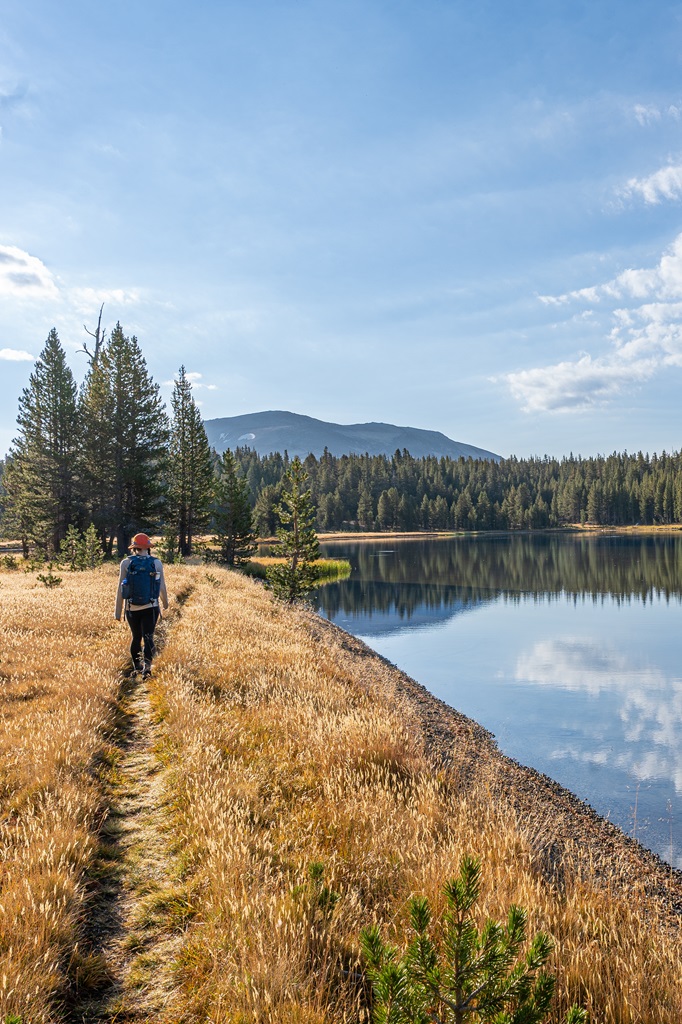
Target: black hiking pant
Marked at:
142, 625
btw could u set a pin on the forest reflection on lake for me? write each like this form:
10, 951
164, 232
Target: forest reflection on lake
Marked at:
567, 647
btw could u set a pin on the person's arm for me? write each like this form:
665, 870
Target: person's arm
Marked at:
119, 596
163, 593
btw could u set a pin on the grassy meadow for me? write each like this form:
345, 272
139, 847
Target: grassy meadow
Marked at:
296, 803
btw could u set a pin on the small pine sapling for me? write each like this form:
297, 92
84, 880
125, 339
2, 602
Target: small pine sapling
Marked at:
90, 553
466, 976
48, 578
169, 548
69, 549
81, 551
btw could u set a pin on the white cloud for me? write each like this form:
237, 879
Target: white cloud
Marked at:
15, 355
664, 281
24, 277
587, 294
665, 183
575, 386
645, 337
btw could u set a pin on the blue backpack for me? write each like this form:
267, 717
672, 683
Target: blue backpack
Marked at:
141, 585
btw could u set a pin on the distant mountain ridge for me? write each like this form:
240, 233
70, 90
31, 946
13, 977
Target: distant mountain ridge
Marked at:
277, 431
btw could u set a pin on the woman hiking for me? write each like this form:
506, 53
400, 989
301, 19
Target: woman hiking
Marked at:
140, 585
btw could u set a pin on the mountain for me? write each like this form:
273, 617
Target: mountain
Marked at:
274, 431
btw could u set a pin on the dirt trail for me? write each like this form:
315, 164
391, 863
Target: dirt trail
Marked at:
131, 931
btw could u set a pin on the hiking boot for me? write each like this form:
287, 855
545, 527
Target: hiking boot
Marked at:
146, 671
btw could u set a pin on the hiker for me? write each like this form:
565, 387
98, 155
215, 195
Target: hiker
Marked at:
140, 585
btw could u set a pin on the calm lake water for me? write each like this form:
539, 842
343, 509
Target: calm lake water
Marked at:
567, 648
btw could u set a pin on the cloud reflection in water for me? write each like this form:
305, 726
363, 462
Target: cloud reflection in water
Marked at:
649, 703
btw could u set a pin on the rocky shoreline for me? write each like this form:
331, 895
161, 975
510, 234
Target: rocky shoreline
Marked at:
567, 829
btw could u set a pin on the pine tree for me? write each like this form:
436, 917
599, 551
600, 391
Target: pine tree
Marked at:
90, 554
3, 496
264, 515
296, 536
463, 975
70, 547
232, 513
191, 479
365, 512
80, 551
125, 442
43, 466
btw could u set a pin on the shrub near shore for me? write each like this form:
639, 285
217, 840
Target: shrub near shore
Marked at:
325, 569
302, 807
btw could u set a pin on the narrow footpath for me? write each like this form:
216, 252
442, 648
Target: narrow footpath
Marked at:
131, 933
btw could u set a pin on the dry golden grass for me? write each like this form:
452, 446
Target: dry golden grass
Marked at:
61, 655
281, 754
284, 759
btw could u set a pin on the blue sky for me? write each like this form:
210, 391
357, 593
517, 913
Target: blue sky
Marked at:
459, 216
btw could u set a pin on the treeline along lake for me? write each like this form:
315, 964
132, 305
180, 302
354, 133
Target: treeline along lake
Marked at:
567, 647
378, 492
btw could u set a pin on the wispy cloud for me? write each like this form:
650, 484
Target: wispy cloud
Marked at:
12, 95
23, 276
107, 150
88, 300
646, 113
197, 382
645, 337
16, 355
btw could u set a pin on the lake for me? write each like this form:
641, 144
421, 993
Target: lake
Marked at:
567, 647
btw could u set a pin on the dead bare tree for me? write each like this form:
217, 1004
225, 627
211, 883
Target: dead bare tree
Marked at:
99, 335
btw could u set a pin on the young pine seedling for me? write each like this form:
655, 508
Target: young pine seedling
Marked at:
466, 976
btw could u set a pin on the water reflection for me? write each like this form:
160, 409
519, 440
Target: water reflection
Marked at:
649, 702
565, 647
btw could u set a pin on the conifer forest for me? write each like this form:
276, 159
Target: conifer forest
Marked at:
110, 456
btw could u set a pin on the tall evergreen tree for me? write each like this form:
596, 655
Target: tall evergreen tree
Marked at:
190, 478
232, 513
42, 472
3, 499
125, 442
296, 535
